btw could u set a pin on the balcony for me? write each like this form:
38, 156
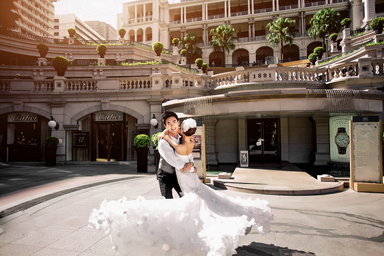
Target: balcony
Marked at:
131, 21
218, 16
288, 7
148, 18
243, 39
315, 3
234, 14
194, 19
263, 10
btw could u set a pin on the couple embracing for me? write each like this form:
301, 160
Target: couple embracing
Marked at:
201, 222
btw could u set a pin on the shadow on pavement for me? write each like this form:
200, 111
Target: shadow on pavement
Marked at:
260, 249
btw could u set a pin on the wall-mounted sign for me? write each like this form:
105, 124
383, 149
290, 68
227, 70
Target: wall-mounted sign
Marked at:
366, 150
22, 117
339, 138
108, 116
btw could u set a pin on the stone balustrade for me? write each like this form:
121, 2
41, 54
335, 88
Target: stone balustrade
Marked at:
133, 83
43, 85
80, 85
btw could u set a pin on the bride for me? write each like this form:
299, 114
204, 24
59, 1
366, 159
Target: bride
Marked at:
202, 222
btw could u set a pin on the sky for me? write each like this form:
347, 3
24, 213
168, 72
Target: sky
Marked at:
86, 10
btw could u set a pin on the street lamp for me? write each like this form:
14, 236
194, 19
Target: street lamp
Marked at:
154, 122
53, 124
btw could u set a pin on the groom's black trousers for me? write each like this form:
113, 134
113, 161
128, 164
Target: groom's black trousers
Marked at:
167, 182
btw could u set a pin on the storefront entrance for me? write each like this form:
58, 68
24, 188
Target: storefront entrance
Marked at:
109, 142
263, 140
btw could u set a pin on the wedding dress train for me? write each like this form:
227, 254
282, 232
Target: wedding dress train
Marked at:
202, 222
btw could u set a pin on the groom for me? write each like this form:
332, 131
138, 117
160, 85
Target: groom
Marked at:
166, 174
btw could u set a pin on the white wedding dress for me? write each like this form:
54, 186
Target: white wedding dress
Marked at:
202, 222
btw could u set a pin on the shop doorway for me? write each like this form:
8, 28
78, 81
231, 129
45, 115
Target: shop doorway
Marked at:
110, 141
263, 140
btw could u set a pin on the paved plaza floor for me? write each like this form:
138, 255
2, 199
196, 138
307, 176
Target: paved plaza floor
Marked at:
342, 223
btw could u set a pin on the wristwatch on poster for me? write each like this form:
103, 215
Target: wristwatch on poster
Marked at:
342, 140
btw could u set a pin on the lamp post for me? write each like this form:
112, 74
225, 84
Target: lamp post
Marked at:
53, 124
154, 122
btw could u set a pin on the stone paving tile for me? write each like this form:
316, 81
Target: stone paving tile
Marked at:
72, 223
103, 247
54, 252
18, 250
13, 234
43, 237
77, 241
47, 219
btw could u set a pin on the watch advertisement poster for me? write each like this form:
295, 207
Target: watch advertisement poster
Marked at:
339, 138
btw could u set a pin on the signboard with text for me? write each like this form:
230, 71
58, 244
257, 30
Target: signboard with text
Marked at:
108, 116
366, 150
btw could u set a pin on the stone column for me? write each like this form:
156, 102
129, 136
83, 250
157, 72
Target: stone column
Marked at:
58, 114
356, 14
249, 9
135, 14
210, 143
182, 15
253, 7
225, 9
155, 105
273, 5
229, 8
277, 5
144, 14
185, 14
369, 10
322, 154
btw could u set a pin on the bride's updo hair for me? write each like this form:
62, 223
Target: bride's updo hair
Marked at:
189, 126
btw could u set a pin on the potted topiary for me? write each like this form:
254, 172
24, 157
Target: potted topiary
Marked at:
50, 150
71, 32
377, 25
158, 48
176, 41
101, 49
183, 52
312, 58
43, 50
333, 37
141, 142
346, 22
204, 67
199, 62
122, 32
155, 143
319, 52
60, 64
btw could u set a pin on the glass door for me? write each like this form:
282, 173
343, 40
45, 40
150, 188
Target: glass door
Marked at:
263, 139
110, 142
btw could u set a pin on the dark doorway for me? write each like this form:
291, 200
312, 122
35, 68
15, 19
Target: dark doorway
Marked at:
263, 140
111, 141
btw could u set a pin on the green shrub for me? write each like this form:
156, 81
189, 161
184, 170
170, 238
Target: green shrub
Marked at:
141, 141
199, 62
51, 141
122, 32
101, 49
43, 50
72, 32
176, 41
319, 50
183, 52
312, 57
60, 61
158, 47
333, 37
377, 22
345, 22
155, 140
204, 66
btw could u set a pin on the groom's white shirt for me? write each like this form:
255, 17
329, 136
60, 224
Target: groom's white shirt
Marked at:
168, 153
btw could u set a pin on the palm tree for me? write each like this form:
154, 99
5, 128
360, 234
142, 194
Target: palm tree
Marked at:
323, 23
222, 38
280, 33
190, 42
